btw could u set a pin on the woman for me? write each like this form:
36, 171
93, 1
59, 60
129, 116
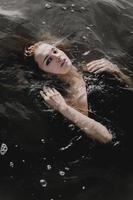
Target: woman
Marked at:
51, 59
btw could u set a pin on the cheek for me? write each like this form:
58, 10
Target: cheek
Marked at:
43, 67
69, 63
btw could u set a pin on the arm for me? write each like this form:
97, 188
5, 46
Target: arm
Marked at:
92, 128
103, 65
124, 78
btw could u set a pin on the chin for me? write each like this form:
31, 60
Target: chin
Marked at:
67, 71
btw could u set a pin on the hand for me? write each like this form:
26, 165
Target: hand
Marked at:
52, 97
102, 65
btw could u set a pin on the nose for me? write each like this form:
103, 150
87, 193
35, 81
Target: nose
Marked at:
56, 56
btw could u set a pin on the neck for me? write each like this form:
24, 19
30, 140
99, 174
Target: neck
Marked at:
72, 77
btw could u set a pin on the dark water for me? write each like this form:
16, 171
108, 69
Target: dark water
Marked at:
39, 164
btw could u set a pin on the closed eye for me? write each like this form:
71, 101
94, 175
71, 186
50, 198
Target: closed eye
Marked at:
48, 61
45, 58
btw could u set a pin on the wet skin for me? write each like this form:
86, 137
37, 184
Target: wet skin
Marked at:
51, 59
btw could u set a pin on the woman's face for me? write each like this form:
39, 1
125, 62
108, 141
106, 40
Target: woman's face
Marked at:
51, 59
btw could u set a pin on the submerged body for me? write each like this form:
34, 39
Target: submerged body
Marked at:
75, 107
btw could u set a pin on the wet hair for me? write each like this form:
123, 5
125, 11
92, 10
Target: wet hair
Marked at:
40, 78
45, 79
61, 43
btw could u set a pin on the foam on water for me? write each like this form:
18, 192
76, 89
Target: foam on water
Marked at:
11, 13
49, 160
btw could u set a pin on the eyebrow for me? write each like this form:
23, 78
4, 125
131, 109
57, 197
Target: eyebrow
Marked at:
45, 58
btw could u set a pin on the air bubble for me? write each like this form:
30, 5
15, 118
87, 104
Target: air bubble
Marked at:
49, 167
43, 183
62, 173
3, 149
67, 168
11, 164
71, 126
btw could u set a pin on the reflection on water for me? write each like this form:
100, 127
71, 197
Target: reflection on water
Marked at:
37, 162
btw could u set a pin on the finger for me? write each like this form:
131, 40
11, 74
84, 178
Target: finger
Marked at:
50, 91
95, 62
44, 88
92, 62
84, 68
100, 70
98, 67
94, 66
43, 95
55, 91
46, 91
89, 68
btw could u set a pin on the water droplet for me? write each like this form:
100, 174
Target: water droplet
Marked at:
72, 4
64, 8
82, 8
43, 22
88, 28
83, 187
86, 53
67, 168
116, 143
42, 140
84, 37
62, 173
48, 6
3, 149
72, 10
43, 183
49, 167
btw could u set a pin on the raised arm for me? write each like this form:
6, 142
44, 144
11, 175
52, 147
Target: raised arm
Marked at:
103, 65
92, 128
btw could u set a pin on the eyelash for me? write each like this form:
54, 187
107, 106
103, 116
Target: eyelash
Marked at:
49, 60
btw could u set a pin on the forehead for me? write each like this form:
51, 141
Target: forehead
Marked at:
43, 48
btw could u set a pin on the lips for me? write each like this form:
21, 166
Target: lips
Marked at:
63, 62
